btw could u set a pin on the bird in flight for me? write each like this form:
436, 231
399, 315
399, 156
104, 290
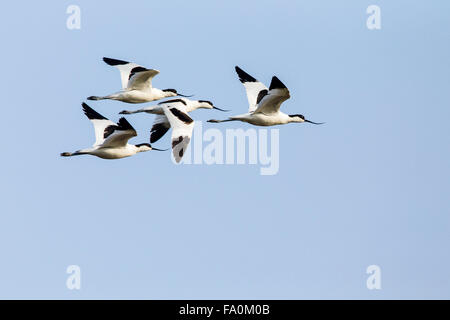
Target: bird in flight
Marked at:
111, 139
264, 103
182, 125
136, 84
161, 124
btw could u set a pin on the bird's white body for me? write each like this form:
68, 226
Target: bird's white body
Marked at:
111, 139
136, 84
114, 153
260, 119
182, 126
139, 96
189, 106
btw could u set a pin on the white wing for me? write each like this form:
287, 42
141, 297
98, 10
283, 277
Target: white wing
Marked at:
124, 68
253, 87
100, 123
270, 102
182, 126
132, 75
160, 126
141, 78
117, 135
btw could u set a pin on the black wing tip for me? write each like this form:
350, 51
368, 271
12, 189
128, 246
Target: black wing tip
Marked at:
261, 95
244, 76
157, 132
153, 137
123, 124
276, 84
91, 113
114, 62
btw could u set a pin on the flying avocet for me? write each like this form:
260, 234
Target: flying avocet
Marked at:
136, 84
264, 104
161, 124
111, 139
182, 126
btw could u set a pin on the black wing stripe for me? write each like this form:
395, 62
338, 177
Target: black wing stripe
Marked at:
158, 131
261, 95
109, 131
114, 62
122, 125
276, 84
173, 101
244, 76
136, 70
91, 113
181, 115
179, 146
175, 142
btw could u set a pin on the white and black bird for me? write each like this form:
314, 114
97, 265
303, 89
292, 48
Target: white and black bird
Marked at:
111, 139
182, 125
136, 84
161, 124
264, 104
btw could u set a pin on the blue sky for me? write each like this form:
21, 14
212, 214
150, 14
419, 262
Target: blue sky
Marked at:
368, 187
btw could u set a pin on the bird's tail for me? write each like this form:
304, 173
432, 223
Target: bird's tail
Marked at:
95, 98
71, 154
219, 121
130, 112
66, 154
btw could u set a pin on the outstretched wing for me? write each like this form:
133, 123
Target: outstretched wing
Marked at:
132, 75
182, 126
100, 123
124, 67
160, 126
271, 102
140, 78
255, 89
117, 135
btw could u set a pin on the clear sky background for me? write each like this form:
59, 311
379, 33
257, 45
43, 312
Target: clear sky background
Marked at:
371, 186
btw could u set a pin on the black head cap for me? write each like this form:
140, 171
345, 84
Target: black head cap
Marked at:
297, 115
170, 90
205, 101
143, 144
